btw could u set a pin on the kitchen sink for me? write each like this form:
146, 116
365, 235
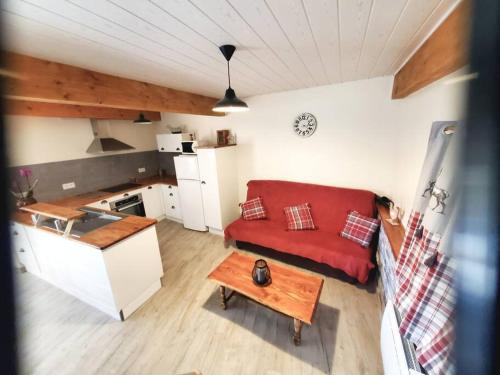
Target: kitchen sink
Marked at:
93, 219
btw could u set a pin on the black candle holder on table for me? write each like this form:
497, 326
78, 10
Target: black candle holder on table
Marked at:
261, 274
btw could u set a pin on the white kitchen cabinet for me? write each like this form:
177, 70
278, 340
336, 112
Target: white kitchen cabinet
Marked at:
219, 186
125, 194
172, 202
210, 188
102, 204
153, 201
22, 248
172, 142
116, 280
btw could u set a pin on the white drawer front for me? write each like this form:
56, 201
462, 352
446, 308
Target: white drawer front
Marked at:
102, 204
172, 198
172, 202
22, 249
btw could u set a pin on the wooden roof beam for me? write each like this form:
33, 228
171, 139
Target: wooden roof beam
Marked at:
51, 82
41, 109
445, 51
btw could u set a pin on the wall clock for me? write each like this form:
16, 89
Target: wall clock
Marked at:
305, 124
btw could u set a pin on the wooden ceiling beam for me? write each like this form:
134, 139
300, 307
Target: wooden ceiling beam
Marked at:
444, 52
51, 82
41, 109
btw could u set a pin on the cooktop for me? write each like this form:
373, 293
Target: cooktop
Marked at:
121, 187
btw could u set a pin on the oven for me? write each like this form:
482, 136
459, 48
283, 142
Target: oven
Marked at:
130, 205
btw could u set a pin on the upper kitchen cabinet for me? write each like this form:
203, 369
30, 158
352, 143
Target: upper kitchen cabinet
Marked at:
172, 142
219, 185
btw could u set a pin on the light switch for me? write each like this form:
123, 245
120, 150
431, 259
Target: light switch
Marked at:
142, 170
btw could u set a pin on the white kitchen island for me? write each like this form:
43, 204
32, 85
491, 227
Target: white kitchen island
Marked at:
115, 279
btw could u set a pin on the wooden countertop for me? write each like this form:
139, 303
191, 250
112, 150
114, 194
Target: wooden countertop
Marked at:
395, 233
108, 235
51, 210
115, 232
166, 180
80, 200
216, 146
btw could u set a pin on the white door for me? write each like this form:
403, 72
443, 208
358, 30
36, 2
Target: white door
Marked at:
186, 167
192, 205
153, 202
210, 188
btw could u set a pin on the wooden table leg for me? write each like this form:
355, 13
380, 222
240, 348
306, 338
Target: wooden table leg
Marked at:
222, 291
297, 327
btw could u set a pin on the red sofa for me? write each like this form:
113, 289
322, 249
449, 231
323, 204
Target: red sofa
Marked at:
329, 207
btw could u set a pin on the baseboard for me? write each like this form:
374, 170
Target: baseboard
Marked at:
139, 301
171, 218
216, 231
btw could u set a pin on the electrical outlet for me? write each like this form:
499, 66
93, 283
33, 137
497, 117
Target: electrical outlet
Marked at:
68, 185
141, 170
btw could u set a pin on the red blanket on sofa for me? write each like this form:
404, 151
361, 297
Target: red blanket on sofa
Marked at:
329, 207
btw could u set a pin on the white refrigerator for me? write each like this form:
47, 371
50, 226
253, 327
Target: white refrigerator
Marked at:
189, 184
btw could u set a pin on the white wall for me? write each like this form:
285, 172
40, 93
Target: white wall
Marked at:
35, 140
363, 140
415, 114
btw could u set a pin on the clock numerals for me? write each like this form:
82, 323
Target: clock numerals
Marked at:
304, 125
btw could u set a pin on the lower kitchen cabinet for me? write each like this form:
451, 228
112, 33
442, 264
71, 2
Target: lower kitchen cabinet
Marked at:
22, 250
102, 204
171, 201
159, 201
153, 201
152, 198
116, 280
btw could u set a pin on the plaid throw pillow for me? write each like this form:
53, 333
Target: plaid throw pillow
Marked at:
359, 228
253, 209
299, 217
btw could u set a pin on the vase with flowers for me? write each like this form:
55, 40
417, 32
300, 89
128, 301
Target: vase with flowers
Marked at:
23, 191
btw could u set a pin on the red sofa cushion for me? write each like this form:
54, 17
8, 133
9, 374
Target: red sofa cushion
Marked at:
330, 207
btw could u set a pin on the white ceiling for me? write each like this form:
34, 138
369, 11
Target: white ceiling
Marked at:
282, 44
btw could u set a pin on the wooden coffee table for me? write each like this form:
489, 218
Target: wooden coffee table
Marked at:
292, 292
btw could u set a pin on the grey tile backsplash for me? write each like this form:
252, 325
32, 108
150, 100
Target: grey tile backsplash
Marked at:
92, 174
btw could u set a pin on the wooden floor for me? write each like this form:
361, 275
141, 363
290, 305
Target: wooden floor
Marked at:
183, 329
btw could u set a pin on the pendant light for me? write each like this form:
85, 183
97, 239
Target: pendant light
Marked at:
142, 120
230, 102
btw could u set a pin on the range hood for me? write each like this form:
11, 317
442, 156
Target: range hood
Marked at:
102, 143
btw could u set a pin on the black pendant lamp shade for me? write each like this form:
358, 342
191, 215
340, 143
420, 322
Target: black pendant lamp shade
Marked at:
142, 120
230, 102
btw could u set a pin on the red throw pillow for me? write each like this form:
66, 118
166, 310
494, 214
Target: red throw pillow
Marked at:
359, 228
253, 209
299, 217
